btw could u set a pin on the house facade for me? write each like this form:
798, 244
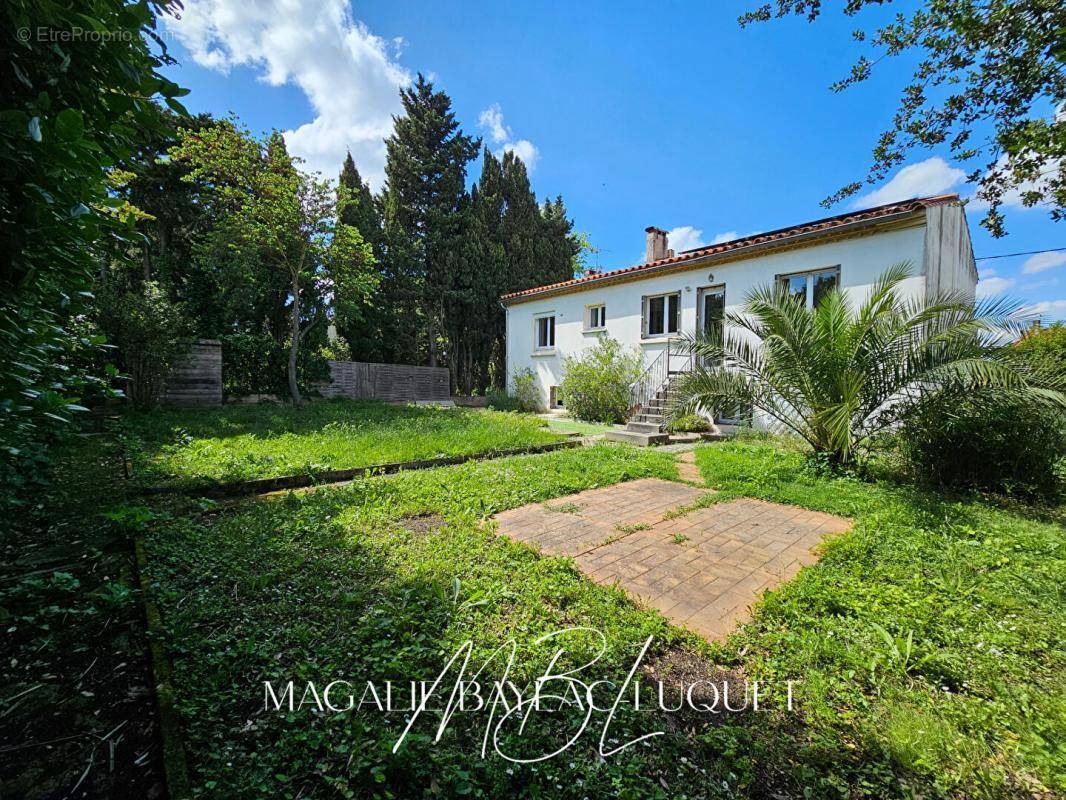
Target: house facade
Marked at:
651, 305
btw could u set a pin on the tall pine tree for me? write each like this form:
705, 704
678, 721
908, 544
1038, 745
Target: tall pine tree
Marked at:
425, 172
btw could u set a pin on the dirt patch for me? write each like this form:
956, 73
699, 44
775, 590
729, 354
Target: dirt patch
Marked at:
423, 524
705, 692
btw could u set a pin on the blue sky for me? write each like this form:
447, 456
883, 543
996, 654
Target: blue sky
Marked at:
638, 114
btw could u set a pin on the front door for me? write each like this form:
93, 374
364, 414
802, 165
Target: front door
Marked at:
710, 320
710, 311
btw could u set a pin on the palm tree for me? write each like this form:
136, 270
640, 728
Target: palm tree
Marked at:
836, 375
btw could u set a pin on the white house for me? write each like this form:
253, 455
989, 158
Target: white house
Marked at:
654, 303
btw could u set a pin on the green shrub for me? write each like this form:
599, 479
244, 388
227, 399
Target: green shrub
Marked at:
688, 423
524, 394
1003, 445
596, 383
1045, 346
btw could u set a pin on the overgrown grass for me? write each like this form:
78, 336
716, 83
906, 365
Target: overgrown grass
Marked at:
927, 644
351, 582
247, 442
930, 639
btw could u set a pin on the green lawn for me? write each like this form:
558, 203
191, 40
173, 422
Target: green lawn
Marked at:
247, 442
928, 642
569, 425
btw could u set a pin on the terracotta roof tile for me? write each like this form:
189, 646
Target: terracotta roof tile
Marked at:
826, 225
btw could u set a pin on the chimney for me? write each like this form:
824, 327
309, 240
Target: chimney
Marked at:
656, 246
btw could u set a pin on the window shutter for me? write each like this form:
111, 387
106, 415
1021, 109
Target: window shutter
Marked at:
644, 316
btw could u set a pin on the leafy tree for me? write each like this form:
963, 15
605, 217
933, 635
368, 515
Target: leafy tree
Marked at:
986, 80
837, 375
70, 112
284, 219
425, 173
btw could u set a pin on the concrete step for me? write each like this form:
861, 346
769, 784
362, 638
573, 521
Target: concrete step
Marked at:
638, 426
637, 439
656, 418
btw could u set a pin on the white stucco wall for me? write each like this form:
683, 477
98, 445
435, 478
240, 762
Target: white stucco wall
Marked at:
861, 261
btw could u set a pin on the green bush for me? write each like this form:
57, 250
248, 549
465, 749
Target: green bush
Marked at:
1045, 346
688, 423
1010, 446
596, 383
524, 394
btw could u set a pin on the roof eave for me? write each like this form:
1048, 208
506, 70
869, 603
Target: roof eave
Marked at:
735, 254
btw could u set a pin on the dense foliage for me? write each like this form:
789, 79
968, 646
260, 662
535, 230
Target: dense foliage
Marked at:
993, 441
279, 216
996, 444
836, 374
72, 108
596, 382
989, 82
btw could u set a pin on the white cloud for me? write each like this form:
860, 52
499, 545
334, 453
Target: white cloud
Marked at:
351, 77
684, 237
525, 150
491, 122
930, 177
991, 284
727, 236
1042, 262
1051, 309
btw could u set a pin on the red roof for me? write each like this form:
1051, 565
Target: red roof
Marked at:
824, 226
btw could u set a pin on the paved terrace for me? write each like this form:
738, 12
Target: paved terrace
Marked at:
702, 569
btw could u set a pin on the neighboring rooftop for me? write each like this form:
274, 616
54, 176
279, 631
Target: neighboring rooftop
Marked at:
806, 231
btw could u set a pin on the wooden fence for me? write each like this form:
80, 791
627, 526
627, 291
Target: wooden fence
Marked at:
393, 382
196, 379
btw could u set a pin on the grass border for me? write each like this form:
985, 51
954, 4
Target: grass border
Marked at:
175, 763
265, 485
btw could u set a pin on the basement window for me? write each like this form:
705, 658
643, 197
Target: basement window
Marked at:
662, 314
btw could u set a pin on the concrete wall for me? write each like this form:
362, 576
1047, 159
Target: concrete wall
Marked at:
950, 264
393, 382
861, 261
196, 379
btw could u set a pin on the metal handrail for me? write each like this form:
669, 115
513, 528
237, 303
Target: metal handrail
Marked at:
655, 377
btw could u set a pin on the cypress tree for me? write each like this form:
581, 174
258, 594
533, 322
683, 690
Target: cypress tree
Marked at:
365, 332
425, 169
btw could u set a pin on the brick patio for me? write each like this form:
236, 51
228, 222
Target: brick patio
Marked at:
701, 569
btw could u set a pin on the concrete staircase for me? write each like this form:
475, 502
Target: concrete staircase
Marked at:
648, 426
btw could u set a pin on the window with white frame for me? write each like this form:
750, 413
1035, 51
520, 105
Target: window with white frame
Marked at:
662, 314
544, 332
810, 287
595, 318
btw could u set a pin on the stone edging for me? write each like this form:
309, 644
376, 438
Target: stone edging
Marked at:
265, 485
175, 765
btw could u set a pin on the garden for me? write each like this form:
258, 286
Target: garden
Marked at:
925, 644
